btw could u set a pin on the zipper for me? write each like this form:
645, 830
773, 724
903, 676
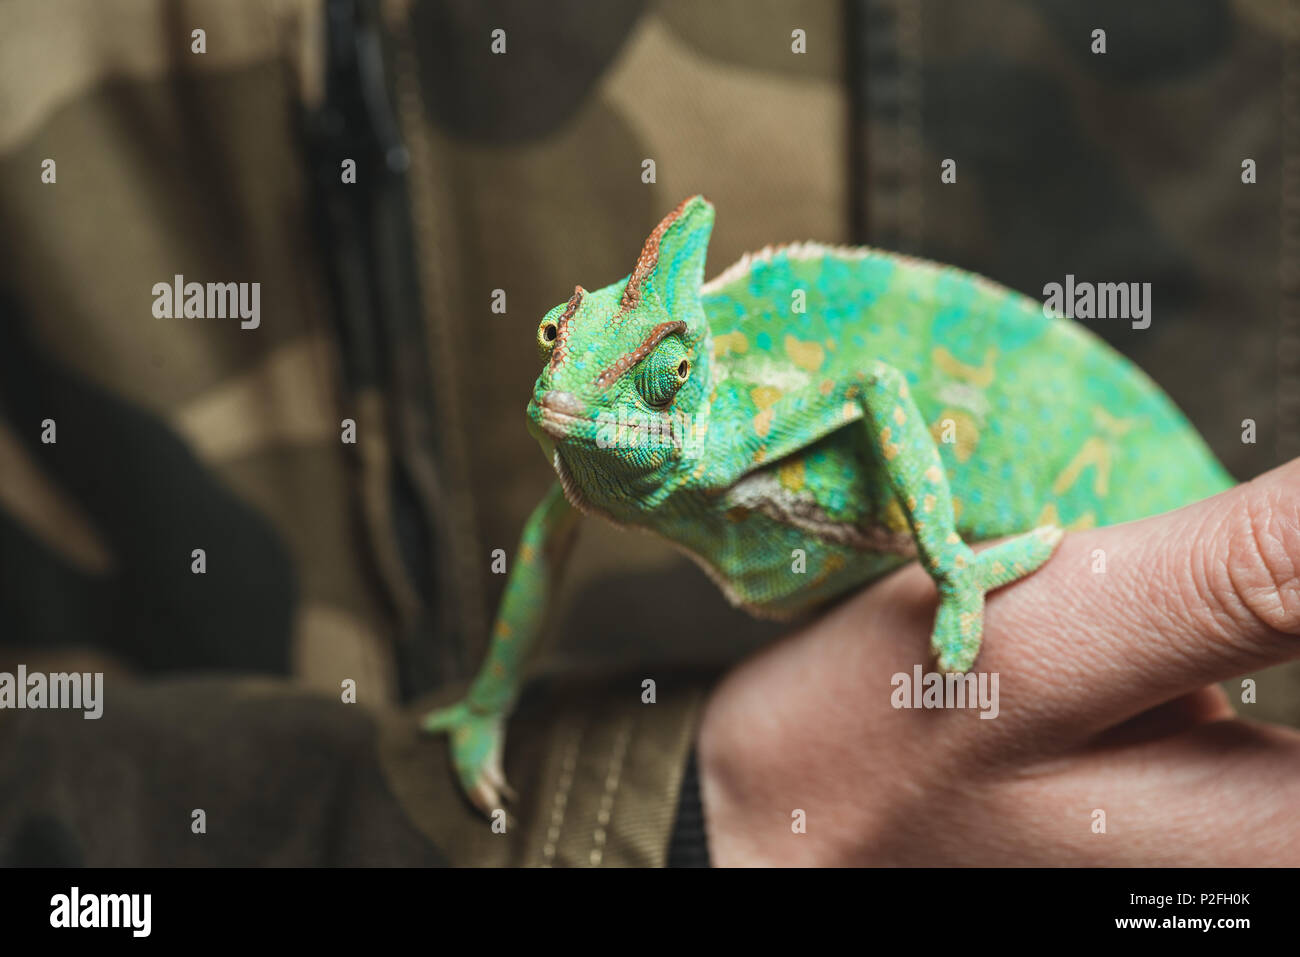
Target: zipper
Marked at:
367, 236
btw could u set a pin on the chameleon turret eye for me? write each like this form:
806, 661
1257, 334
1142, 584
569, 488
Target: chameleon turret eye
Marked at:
547, 333
662, 372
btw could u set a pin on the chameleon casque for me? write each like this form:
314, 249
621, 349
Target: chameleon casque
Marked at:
844, 409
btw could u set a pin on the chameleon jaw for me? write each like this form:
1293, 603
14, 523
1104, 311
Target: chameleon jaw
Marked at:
557, 413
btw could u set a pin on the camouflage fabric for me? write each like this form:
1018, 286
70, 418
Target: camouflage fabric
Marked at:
520, 172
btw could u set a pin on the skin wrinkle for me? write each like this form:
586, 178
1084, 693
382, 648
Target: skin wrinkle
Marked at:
1269, 548
1185, 596
1244, 564
1065, 619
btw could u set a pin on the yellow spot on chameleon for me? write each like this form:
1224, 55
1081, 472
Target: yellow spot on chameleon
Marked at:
1109, 423
827, 386
791, 475
730, 342
763, 422
899, 415
764, 395
806, 355
831, 345
957, 506
1094, 452
933, 473
953, 538
1050, 516
887, 447
526, 553
504, 630
980, 376
999, 569
927, 504
833, 564
849, 411
893, 516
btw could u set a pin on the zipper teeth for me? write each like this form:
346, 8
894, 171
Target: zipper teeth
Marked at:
461, 523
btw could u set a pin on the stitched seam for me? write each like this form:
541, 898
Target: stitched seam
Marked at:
613, 778
560, 801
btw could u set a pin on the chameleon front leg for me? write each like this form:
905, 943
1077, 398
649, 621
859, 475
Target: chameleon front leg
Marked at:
477, 722
911, 459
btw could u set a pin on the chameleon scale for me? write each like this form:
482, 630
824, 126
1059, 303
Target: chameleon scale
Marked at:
811, 419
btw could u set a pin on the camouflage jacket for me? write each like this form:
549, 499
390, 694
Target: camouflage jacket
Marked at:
348, 467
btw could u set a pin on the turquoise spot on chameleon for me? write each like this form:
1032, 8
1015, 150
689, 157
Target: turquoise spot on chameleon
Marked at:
1017, 325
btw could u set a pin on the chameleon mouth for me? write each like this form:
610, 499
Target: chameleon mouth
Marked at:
559, 413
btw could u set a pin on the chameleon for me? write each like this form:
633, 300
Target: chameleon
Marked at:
811, 419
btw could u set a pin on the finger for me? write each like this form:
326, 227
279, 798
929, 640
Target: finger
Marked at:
1128, 617
1217, 794
1199, 707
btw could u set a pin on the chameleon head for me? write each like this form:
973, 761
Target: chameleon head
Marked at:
621, 402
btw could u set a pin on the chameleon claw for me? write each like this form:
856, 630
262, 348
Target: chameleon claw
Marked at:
477, 745
495, 776
958, 625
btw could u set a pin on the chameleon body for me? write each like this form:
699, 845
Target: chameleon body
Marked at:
813, 418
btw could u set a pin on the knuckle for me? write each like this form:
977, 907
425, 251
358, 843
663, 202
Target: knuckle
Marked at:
1259, 581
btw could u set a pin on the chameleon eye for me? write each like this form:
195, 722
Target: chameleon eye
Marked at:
662, 372
547, 333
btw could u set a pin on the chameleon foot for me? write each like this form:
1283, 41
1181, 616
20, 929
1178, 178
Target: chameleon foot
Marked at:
477, 742
959, 624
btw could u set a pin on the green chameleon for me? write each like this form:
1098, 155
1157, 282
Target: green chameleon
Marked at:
811, 419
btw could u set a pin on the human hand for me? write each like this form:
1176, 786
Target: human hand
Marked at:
1107, 702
